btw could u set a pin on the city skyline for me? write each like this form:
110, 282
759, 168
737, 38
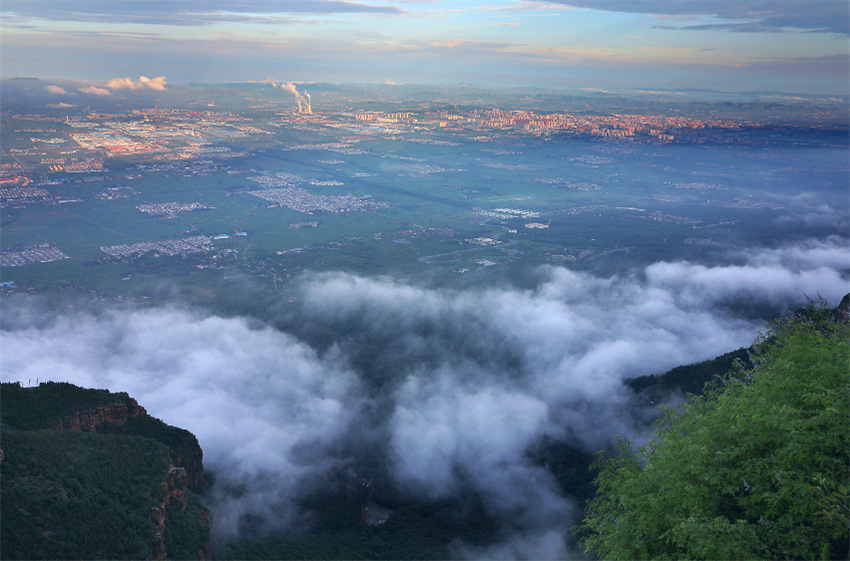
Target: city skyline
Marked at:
784, 46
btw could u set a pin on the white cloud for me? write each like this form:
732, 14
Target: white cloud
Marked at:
95, 90
144, 82
468, 379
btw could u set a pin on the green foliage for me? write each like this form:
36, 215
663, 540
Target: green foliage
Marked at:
420, 530
181, 442
834, 503
728, 475
186, 530
40, 407
75, 495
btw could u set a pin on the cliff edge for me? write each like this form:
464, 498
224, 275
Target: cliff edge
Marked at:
89, 474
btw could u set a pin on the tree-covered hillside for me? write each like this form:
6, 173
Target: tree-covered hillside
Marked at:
756, 469
111, 489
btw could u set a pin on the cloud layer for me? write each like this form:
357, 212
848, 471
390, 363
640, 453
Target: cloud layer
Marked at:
450, 387
189, 12
774, 16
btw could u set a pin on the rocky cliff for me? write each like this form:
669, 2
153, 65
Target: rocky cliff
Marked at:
172, 497
844, 306
114, 413
71, 454
128, 417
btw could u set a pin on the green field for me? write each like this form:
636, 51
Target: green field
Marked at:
593, 197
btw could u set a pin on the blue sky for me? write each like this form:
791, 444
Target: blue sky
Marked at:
732, 45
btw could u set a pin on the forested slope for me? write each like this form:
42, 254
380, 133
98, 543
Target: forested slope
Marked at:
87, 474
756, 469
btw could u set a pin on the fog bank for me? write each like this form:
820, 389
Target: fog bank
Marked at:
450, 387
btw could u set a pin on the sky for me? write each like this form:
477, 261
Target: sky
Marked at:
795, 46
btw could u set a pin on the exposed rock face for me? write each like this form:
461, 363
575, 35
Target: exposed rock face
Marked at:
194, 465
844, 306
115, 413
187, 471
171, 496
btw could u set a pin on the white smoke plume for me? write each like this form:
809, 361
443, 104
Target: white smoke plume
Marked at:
465, 380
304, 101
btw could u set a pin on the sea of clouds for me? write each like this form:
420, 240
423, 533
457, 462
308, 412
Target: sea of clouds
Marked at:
464, 382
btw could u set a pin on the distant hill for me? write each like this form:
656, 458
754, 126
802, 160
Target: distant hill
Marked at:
692, 378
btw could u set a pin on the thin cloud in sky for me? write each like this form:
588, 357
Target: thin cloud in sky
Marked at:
578, 43
186, 12
753, 16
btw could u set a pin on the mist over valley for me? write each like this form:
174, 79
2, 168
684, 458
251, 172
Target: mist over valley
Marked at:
425, 279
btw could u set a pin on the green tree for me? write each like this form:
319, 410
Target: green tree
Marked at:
730, 475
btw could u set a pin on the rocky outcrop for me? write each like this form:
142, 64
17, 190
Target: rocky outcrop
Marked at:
844, 306
156, 471
194, 465
171, 496
114, 413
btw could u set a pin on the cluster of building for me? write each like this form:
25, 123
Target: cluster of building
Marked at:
277, 180
121, 192
28, 255
170, 210
12, 194
484, 241
113, 142
306, 202
138, 132
165, 247
663, 217
697, 185
86, 166
330, 183
419, 170
506, 213
660, 127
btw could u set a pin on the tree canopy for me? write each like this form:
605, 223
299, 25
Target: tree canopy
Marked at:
756, 468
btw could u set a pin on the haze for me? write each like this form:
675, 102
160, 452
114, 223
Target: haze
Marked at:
423, 238
785, 45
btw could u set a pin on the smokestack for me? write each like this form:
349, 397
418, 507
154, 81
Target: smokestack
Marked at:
309, 104
300, 109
